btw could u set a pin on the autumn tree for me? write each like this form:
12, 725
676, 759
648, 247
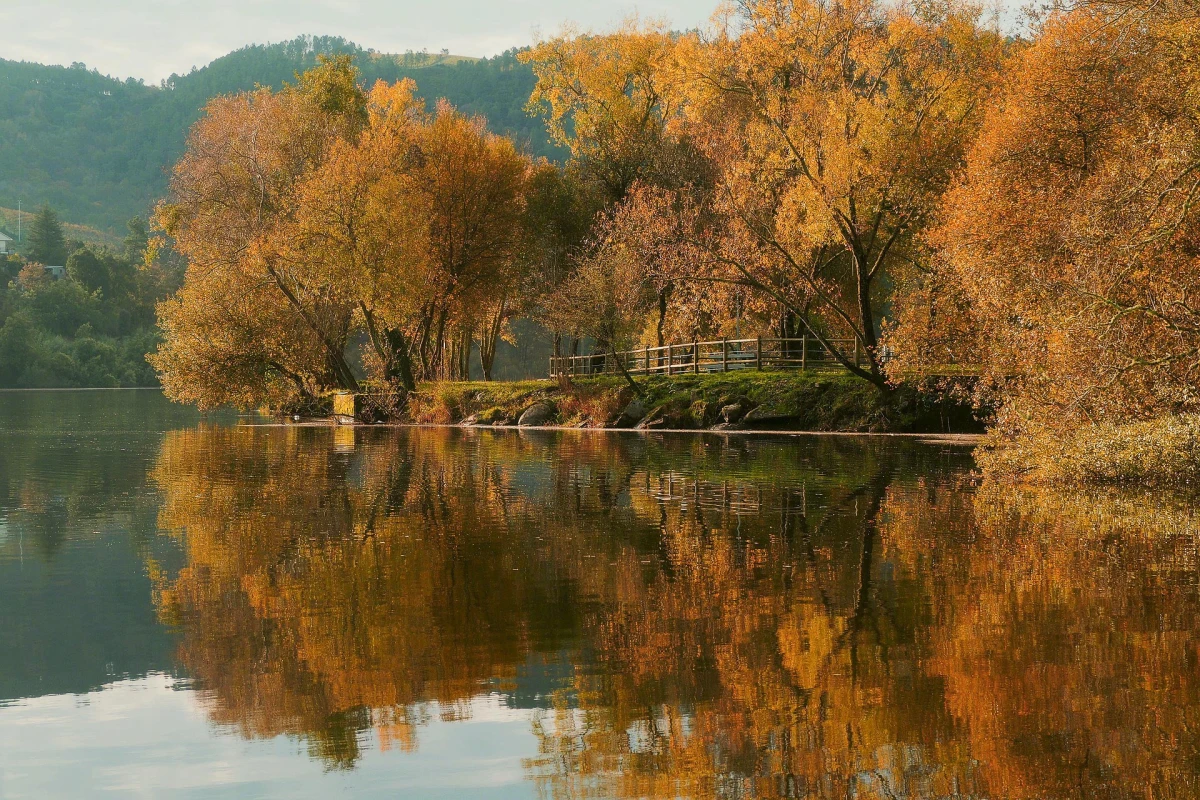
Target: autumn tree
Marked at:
833, 129
313, 213
248, 323
33, 277
351, 223
608, 98
607, 298
604, 98
469, 188
558, 216
1071, 238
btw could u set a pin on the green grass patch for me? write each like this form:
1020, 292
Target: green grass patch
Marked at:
817, 400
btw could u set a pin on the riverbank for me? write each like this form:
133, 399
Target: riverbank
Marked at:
1161, 453
825, 401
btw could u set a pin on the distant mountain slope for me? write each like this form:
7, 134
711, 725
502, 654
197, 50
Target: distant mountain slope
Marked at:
82, 233
98, 149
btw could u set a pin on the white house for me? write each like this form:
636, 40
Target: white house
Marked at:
6, 243
57, 273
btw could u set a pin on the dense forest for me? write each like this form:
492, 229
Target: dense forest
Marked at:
99, 150
91, 325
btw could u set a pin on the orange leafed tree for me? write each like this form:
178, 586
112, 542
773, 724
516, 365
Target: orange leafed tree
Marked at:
818, 138
469, 190
313, 213
1067, 264
249, 324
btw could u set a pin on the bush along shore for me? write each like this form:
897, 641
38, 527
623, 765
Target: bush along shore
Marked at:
1163, 452
822, 401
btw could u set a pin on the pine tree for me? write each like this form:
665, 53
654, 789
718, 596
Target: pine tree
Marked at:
47, 244
137, 239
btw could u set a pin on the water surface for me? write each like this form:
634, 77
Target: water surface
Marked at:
207, 607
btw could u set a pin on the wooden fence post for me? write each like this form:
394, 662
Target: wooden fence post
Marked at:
670, 359
804, 352
647, 360
696, 358
856, 351
724, 356
758, 352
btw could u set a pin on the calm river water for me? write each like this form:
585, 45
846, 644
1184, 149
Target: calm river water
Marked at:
204, 607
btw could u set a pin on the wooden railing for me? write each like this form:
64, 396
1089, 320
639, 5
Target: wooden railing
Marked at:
725, 355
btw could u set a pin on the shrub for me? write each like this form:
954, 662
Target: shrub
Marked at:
1156, 452
592, 405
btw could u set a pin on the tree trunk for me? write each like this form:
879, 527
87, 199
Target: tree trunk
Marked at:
464, 354
335, 352
400, 366
637, 387
393, 351
866, 315
662, 312
490, 335
440, 362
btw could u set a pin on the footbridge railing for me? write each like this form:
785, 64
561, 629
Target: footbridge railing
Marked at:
725, 355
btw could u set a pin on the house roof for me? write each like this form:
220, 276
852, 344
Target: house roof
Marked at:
4, 236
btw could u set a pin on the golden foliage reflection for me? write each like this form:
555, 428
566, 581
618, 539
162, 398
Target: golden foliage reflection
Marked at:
740, 618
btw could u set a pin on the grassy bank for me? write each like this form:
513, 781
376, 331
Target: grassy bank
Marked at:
1162, 452
809, 401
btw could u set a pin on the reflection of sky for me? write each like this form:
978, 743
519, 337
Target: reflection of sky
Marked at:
150, 738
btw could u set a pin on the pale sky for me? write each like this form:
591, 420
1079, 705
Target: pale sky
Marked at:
150, 39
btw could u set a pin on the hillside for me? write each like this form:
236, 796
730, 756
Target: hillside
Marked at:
98, 149
74, 232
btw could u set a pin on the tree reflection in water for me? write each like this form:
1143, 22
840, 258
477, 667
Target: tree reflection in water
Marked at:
739, 618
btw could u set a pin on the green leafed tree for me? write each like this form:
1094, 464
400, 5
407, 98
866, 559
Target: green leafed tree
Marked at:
47, 244
136, 240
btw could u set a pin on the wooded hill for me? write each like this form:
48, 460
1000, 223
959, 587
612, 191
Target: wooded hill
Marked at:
98, 149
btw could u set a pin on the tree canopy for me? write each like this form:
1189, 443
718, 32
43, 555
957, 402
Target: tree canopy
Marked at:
47, 243
1066, 263
341, 211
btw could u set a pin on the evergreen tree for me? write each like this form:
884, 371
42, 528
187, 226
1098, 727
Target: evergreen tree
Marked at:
47, 244
136, 240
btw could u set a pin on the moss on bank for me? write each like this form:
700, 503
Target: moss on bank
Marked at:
811, 401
